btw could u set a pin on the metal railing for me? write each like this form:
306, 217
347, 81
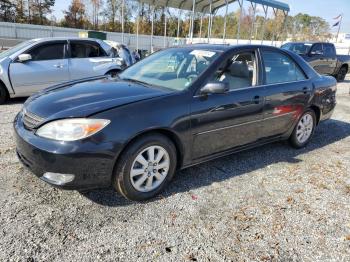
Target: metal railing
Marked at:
13, 33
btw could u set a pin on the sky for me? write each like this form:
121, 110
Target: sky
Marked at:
327, 9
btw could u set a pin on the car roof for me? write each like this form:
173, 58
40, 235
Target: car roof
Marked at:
46, 39
308, 42
222, 47
216, 47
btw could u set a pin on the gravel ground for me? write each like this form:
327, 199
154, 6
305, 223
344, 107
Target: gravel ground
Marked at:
273, 203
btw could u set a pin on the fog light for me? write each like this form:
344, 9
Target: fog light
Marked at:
57, 178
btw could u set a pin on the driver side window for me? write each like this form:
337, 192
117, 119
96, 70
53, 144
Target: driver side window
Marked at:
50, 51
317, 49
239, 71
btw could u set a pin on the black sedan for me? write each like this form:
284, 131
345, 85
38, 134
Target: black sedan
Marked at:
176, 108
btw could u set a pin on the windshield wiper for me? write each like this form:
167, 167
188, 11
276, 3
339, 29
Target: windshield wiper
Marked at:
145, 83
135, 81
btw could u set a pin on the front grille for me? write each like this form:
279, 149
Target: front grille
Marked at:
31, 121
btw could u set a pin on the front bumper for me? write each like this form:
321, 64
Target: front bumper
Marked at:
91, 160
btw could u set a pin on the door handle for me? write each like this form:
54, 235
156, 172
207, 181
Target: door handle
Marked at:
256, 99
58, 66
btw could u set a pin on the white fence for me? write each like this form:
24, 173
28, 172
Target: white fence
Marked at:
26, 31
19, 32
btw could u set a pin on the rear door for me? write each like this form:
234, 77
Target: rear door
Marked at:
224, 121
287, 91
47, 67
86, 58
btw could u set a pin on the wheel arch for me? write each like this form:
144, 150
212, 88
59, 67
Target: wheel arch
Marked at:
162, 131
5, 87
317, 111
346, 66
113, 70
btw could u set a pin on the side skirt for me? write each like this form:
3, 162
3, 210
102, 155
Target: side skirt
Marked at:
236, 150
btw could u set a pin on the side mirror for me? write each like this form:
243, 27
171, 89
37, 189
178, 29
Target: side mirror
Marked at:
24, 57
215, 88
314, 53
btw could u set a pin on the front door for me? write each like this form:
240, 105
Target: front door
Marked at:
331, 57
317, 59
224, 121
287, 91
47, 67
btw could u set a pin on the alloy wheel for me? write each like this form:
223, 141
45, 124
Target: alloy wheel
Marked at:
304, 128
149, 168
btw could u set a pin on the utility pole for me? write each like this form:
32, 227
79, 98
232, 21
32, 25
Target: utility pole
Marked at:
341, 18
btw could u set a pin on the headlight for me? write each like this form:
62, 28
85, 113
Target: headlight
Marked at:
119, 61
72, 129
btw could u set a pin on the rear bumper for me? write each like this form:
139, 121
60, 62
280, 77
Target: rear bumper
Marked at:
90, 163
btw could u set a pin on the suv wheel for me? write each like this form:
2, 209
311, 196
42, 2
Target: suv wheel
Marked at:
342, 74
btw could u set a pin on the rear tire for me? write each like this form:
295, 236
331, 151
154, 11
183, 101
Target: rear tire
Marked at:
3, 94
304, 129
141, 174
342, 74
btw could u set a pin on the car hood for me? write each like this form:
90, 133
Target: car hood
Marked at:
82, 99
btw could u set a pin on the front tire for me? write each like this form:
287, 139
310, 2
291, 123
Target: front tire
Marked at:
145, 167
3, 94
342, 74
304, 129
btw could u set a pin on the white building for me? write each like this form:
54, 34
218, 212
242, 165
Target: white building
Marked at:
342, 38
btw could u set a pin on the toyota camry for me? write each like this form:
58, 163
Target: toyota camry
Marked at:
178, 107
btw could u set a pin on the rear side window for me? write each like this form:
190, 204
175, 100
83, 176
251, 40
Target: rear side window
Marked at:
280, 68
86, 50
329, 50
48, 52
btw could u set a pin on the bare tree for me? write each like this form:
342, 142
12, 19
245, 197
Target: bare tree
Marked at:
75, 15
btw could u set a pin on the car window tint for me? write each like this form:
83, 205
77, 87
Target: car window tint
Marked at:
86, 50
279, 68
239, 71
48, 52
317, 49
329, 50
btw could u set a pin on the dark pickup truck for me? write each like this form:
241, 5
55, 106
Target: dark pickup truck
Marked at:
322, 57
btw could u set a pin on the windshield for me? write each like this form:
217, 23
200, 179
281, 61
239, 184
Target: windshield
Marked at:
15, 48
299, 48
174, 68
